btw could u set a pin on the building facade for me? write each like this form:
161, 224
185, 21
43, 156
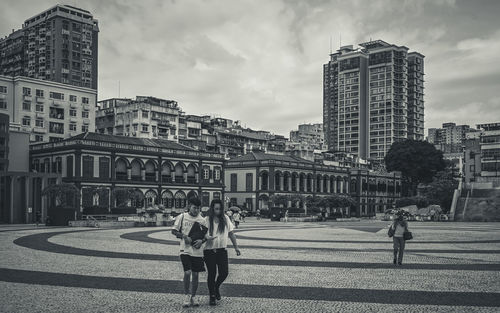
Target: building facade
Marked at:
162, 172
369, 100
59, 44
144, 117
252, 179
450, 138
20, 188
311, 134
374, 192
48, 111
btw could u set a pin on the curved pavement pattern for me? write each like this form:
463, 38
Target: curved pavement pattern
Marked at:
292, 267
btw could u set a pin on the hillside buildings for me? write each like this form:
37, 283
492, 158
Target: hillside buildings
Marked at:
59, 45
372, 97
449, 138
482, 155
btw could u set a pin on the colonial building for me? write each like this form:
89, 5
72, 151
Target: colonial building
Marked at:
162, 172
373, 191
48, 111
253, 178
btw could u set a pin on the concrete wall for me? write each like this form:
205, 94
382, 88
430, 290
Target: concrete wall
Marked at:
19, 151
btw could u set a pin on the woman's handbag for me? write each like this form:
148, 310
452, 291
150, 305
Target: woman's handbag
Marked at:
391, 231
407, 235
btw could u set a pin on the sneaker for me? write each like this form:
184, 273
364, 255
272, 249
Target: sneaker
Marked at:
187, 301
212, 300
194, 301
217, 294
394, 261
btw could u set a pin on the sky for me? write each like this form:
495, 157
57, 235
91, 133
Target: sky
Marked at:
261, 61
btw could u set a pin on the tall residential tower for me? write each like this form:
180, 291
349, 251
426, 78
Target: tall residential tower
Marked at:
372, 97
59, 44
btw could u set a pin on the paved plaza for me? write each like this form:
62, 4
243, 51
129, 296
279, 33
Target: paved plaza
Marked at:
293, 267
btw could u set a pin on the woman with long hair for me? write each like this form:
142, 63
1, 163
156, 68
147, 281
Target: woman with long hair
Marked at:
215, 254
398, 229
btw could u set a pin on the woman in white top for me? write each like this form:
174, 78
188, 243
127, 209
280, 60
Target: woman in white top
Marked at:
215, 253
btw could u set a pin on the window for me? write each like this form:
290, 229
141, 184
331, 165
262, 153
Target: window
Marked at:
3, 104
26, 121
69, 166
88, 166
85, 114
26, 91
39, 107
56, 95
85, 128
72, 112
57, 113
205, 199
85, 100
72, 127
39, 122
26, 106
145, 128
234, 182
217, 173
145, 114
249, 182
56, 128
72, 98
3, 89
104, 167
38, 138
206, 173
39, 93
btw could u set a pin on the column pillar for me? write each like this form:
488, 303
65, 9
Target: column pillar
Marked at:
341, 186
129, 173
143, 174
321, 185
328, 185
282, 182
11, 196
335, 185
347, 186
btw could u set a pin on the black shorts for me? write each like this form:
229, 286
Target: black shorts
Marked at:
192, 263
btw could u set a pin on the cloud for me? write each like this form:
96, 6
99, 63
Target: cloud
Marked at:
261, 61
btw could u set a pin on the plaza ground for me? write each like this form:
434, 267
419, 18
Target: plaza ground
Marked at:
292, 267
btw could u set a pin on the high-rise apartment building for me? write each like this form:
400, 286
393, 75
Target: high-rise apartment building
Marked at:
368, 99
47, 111
59, 44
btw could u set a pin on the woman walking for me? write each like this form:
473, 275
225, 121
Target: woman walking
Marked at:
397, 231
215, 253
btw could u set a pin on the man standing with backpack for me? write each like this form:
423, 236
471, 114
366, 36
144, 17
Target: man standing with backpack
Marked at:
191, 251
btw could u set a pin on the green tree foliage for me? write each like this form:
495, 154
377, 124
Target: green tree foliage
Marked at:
418, 161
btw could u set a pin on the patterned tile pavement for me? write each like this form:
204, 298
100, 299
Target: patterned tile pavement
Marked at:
293, 267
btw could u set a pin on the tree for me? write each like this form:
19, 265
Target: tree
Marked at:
63, 194
418, 162
440, 190
279, 200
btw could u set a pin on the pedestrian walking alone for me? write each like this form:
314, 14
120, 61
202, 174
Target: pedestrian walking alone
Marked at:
236, 219
220, 229
398, 231
286, 216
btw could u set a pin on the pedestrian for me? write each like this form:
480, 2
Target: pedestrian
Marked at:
236, 219
258, 214
38, 217
229, 213
397, 231
191, 253
286, 216
220, 229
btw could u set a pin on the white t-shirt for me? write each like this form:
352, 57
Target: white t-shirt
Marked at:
236, 217
221, 240
187, 223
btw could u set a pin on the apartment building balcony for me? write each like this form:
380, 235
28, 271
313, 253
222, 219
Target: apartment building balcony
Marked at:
39, 130
27, 97
73, 105
86, 107
58, 102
